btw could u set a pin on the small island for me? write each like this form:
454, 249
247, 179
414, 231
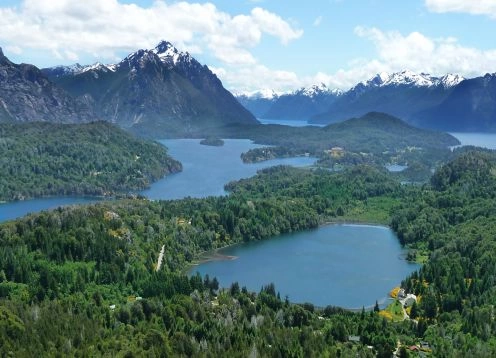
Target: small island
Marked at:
212, 141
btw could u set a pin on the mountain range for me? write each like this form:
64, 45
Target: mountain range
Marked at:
154, 91
300, 104
163, 92
157, 92
450, 102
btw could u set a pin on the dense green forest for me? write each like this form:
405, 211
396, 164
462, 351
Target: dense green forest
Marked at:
83, 281
39, 159
373, 139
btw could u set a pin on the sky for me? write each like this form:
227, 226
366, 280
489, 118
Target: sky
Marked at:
262, 44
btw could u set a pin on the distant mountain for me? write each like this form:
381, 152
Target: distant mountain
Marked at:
380, 130
258, 102
158, 92
303, 103
300, 104
470, 107
26, 94
400, 94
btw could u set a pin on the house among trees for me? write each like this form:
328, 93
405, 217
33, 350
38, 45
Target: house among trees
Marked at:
335, 152
409, 300
354, 339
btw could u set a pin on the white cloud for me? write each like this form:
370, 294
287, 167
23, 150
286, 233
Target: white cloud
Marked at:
249, 78
394, 52
317, 21
420, 53
103, 28
72, 56
475, 7
274, 25
14, 49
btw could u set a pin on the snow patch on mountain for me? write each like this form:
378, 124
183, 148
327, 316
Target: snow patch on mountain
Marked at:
168, 54
317, 90
451, 80
265, 93
409, 78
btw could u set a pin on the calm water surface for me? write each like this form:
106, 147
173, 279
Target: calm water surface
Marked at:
396, 167
206, 170
344, 265
289, 122
485, 140
16, 209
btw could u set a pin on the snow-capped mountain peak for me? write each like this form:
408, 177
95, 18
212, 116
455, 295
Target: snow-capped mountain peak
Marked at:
313, 90
410, 78
96, 66
265, 93
451, 80
77, 69
317, 90
169, 54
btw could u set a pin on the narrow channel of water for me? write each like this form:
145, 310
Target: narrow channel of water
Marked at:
206, 170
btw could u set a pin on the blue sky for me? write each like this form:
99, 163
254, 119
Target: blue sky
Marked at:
255, 44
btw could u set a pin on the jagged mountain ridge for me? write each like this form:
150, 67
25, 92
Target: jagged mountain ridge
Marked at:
323, 105
470, 107
447, 103
400, 94
302, 103
26, 94
155, 92
258, 102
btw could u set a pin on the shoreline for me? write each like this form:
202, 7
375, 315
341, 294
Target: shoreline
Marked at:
214, 255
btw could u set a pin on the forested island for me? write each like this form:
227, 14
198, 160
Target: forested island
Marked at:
212, 141
86, 280
41, 159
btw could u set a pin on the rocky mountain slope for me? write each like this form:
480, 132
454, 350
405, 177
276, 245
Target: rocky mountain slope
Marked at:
301, 104
26, 94
400, 94
157, 92
470, 107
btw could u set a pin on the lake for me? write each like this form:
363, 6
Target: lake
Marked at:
289, 122
206, 170
394, 168
350, 266
485, 140
16, 209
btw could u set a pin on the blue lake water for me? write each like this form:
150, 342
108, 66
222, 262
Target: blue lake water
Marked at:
485, 140
16, 209
350, 266
396, 167
289, 122
206, 170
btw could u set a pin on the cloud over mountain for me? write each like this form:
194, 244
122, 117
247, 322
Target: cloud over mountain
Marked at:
105, 27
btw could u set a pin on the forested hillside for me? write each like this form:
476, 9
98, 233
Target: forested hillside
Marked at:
84, 280
39, 159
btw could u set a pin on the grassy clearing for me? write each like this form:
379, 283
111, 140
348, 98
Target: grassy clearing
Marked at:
393, 312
